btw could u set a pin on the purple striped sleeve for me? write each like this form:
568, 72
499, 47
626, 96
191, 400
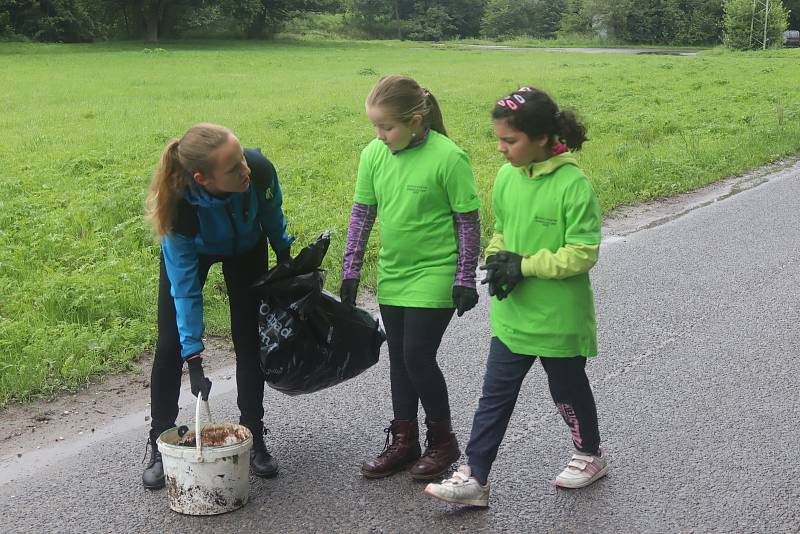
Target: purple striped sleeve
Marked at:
362, 217
468, 230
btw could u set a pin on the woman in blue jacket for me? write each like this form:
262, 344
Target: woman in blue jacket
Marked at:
211, 201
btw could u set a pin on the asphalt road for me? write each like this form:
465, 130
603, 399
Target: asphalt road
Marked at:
590, 50
696, 386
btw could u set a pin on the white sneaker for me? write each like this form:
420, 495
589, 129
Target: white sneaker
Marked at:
461, 488
582, 470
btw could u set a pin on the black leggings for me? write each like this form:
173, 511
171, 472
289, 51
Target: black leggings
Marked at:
165, 381
413, 336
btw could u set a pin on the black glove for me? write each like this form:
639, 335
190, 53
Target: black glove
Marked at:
491, 277
348, 291
464, 299
284, 256
197, 378
503, 273
490, 272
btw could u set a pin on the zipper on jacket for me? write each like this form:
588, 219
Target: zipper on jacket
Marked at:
229, 211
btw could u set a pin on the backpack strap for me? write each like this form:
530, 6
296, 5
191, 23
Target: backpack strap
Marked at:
186, 222
262, 171
262, 176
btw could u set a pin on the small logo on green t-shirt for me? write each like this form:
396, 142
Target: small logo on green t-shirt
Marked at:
546, 221
416, 189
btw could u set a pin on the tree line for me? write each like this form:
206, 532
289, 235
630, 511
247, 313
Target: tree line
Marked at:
666, 22
151, 20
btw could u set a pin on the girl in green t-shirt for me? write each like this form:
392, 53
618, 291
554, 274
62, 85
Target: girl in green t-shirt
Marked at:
421, 186
547, 238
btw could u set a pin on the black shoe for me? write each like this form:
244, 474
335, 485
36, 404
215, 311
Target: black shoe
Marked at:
261, 461
153, 476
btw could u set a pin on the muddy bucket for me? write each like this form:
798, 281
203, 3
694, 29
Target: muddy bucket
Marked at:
210, 475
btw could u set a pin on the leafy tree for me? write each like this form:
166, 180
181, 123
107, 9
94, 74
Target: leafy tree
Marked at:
431, 24
50, 20
155, 19
738, 20
701, 22
652, 22
415, 19
576, 18
265, 19
537, 18
466, 16
148, 19
67, 21
648, 21
794, 13
375, 18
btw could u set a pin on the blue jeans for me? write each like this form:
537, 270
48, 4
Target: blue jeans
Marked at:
505, 372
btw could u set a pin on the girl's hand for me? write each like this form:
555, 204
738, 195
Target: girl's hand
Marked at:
464, 299
490, 278
348, 291
504, 272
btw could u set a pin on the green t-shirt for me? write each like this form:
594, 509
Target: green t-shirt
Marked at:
557, 206
417, 191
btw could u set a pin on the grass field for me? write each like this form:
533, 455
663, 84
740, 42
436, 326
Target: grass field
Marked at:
83, 126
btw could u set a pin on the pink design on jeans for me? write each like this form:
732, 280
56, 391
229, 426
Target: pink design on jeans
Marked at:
568, 413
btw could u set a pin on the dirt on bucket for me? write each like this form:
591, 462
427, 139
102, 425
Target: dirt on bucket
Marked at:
216, 435
214, 496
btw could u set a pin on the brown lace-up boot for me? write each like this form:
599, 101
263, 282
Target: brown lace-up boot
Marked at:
442, 450
403, 451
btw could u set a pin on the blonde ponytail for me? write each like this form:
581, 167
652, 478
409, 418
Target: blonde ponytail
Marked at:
180, 159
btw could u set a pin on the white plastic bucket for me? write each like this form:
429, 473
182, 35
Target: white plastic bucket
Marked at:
209, 478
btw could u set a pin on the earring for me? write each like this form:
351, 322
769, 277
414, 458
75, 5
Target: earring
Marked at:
413, 134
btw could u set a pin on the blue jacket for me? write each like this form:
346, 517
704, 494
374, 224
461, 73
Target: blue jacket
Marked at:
208, 225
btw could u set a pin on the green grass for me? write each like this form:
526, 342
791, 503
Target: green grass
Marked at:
84, 125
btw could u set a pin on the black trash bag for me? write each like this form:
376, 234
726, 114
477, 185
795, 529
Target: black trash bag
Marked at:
308, 339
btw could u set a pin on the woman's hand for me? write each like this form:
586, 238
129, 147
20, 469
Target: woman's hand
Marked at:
284, 256
197, 378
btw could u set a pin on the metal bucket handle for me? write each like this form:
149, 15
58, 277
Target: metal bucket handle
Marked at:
197, 429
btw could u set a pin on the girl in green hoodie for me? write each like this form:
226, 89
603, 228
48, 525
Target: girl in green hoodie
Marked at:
546, 239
